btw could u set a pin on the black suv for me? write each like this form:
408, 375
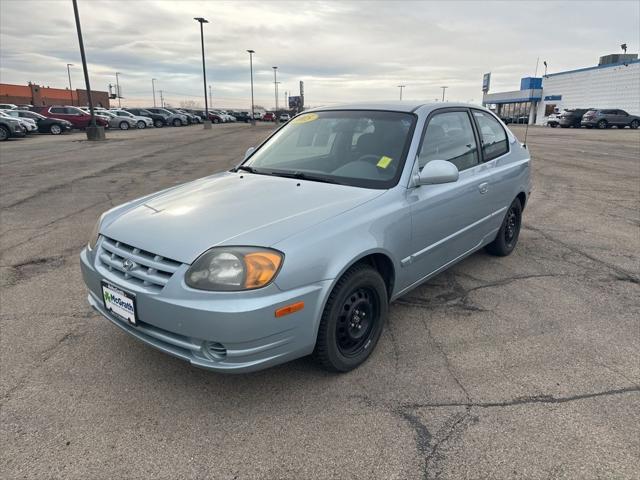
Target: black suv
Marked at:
572, 117
158, 120
609, 118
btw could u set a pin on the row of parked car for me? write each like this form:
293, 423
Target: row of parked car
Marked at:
18, 121
593, 118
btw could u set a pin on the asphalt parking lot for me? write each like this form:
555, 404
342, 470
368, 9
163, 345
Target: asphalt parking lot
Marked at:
518, 367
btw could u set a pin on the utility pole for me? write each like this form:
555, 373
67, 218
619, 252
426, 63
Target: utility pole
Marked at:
94, 132
207, 120
275, 86
70, 88
161, 100
253, 114
210, 96
443, 89
153, 87
401, 87
118, 88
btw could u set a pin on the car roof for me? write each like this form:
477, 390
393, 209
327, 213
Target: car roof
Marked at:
395, 106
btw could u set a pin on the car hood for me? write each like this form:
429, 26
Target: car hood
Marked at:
230, 209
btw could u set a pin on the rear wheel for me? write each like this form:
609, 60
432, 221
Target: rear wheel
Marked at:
602, 124
55, 129
141, 124
352, 320
507, 237
634, 124
177, 122
4, 133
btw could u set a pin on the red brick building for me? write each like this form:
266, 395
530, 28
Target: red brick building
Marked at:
36, 95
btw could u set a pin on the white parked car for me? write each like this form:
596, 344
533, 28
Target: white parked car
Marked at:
284, 117
29, 125
141, 122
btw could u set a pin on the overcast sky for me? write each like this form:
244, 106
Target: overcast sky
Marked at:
344, 51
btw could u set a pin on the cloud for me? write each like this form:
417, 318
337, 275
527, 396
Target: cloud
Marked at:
344, 51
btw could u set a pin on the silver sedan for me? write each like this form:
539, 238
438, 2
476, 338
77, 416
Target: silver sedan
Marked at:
300, 249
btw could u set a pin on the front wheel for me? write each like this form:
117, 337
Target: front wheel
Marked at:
177, 122
602, 124
634, 124
352, 320
158, 123
124, 125
141, 124
553, 125
507, 237
55, 129
4, 133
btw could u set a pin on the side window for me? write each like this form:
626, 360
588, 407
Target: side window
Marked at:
492, 135
623, 113
449, 136
57, 110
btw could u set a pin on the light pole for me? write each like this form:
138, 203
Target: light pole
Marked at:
275, 86
69, 75
94, 132
443, 89
161, 99
210, 96
401, 87
253, 115
207, 121
118, 88
153, 88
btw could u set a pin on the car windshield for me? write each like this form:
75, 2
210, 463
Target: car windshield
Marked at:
33, 114
351, 147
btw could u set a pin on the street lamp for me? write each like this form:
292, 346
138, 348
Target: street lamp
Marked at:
275, 85
253, 116
153, 88
401, 87
207, 121
94, 132
69, 75
118, 89
443, 89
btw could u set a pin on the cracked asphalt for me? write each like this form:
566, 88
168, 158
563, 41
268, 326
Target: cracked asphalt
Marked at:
518, 367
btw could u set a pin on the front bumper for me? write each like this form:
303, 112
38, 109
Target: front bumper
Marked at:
189, 324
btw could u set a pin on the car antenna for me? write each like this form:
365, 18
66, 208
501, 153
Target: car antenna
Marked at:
526, 130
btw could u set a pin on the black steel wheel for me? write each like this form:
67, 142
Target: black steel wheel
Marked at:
602, 124
509, 232
352, 320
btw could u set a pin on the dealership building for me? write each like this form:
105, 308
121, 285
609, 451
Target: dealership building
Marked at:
613, 83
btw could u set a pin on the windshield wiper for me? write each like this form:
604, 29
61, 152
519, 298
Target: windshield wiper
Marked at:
304, 176
246, 168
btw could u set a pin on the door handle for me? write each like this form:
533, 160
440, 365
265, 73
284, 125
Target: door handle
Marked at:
483, 187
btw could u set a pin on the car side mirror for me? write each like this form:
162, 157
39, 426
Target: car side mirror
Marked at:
438, 171
249, 151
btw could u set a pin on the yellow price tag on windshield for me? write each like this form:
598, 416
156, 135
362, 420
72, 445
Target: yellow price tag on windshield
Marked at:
384, 162
306, 118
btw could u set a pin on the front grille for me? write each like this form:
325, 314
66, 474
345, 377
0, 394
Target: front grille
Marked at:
149, 270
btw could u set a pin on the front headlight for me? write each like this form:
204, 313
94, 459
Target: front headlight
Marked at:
95, 234
234, 268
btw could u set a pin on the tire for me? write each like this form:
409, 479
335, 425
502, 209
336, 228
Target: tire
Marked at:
4, 133
602, 124
55, 129
141, 124
346, 337
634, 124
158, 123
215, 120
507, 237
553, 125
177, 122
124, 125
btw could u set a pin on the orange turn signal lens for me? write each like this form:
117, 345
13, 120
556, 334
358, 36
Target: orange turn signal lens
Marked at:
294, 307
261, 267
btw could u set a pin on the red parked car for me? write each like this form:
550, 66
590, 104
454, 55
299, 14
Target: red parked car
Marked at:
269, 117
77, 117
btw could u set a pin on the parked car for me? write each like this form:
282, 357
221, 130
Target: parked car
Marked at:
77, 117
116, 121
609, 118
175, 119
571, 117
284, 117
54, 126
10, 128
214, 117
187, 118
316, 246
242, 116
553, 120
159, 119
28, 124
191, 117
141, 122
8, 106
269, 117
